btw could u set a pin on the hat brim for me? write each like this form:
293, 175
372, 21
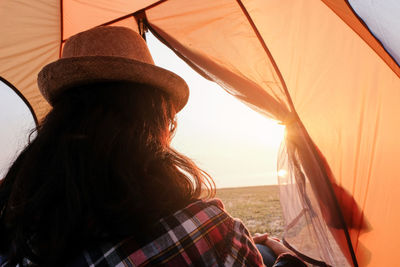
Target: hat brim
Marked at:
65, 73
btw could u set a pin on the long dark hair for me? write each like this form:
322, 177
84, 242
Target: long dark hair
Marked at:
100, 167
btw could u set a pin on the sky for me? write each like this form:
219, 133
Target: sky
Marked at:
234, 144
16, 123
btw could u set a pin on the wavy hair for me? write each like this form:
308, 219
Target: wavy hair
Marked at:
100, 168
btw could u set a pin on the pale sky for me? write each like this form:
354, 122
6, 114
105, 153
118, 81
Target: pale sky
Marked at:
16, 122
234, 144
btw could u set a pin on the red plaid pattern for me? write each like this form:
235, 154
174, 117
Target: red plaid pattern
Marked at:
202, 234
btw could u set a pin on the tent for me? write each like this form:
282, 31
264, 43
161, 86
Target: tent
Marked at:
325, 68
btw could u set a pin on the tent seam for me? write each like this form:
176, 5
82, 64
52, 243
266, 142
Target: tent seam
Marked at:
61, 27
133, 13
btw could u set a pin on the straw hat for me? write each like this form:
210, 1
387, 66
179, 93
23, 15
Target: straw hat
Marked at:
108, 54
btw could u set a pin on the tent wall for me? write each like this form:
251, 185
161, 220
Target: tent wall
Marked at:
33, 33
76, 19
345, 94
28, 42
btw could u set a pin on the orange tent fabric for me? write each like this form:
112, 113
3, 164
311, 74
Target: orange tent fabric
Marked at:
311, 64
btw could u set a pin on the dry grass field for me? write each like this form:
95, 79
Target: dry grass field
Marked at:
258, 207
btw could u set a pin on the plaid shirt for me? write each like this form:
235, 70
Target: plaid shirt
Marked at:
201, 234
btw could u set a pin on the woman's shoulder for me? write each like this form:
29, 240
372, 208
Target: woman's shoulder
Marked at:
209, 212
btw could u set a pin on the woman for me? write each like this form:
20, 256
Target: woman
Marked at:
100, 185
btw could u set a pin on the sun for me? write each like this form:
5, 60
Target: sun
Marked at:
282, 173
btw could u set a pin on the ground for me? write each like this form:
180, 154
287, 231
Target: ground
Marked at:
258, 207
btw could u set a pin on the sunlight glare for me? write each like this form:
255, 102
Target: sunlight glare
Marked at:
282, 173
